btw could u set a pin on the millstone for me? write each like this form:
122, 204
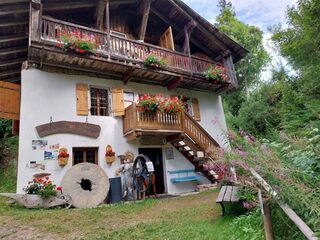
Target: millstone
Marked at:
87, 184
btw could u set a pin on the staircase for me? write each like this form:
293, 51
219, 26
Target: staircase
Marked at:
196, 144
180, 129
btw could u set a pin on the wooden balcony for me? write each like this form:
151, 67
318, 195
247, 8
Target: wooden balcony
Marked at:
119, 58
152, 129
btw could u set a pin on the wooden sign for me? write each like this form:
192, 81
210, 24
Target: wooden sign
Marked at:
63, 127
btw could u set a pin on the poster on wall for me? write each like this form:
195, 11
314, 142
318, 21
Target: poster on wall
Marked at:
39, 144
37, 166
54, 146
51, 155
169, 153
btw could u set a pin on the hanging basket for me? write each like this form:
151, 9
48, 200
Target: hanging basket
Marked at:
63, 162
110, 160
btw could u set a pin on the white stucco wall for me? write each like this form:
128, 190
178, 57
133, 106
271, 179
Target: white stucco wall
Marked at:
45, 95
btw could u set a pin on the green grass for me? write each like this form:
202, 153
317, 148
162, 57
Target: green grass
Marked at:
191, 217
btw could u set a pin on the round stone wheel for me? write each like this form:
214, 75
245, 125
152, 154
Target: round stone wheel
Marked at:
87, 184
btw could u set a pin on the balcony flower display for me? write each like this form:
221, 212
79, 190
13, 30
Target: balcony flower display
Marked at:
77, 42
42, 187
172, 105
149, 103
154, 61
217, 74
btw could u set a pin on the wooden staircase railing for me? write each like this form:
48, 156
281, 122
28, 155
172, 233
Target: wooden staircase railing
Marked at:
200, 136
162, 121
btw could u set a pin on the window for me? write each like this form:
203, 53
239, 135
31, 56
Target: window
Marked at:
81, 155
99, 102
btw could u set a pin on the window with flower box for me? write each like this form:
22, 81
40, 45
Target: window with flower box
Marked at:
88, 155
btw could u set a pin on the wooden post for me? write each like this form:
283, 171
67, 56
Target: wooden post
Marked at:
304, 228
267, 221
35, 21
100, 9
228, 63
108, 26
265, 210
145, 10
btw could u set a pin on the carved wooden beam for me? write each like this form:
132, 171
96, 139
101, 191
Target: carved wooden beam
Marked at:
190, 26
175, 83
145, 10
200, 27
65, 127
128, 75
176, 27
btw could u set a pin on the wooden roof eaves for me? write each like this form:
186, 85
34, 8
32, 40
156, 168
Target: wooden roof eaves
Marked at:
238, 54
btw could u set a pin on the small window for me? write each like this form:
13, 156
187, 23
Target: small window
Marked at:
81, 155
99, 102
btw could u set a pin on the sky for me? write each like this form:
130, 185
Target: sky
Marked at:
261, 13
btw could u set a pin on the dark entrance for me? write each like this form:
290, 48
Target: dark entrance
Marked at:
155, 155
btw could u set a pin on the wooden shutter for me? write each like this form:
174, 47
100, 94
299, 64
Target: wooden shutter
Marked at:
166, 40
196, 109
9, 101
118, 102
82, 99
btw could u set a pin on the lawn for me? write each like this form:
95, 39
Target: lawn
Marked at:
191, 217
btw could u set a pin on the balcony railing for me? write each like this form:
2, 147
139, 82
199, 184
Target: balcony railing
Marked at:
124, 49
165, 122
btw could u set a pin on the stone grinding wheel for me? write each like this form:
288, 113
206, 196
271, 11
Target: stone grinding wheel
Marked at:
87, 184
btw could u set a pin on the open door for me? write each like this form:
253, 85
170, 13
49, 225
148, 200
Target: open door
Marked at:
9, 100
166, 40
155, 155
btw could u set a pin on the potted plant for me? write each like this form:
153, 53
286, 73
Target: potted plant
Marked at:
77, 42
154, 61
44, 188
217, 74
172, 105
110, 155
63, 157
149, 103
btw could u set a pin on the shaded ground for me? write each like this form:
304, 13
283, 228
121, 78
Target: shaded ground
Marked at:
191, 217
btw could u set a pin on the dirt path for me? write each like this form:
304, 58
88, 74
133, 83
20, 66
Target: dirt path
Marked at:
79, 224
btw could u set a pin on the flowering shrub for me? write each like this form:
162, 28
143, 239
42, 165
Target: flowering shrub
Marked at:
148, 103
172, 105
63, 154
154, 60
217, 73
109, 152
42, 187
79, 42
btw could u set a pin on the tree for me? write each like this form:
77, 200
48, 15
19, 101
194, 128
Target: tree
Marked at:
300, 42
248, 69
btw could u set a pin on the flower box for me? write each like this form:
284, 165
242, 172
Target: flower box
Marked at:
63, 161
110, 160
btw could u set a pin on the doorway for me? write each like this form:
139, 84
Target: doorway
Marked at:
155, 156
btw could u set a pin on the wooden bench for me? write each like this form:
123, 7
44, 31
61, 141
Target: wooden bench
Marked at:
186, 176
227, 194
